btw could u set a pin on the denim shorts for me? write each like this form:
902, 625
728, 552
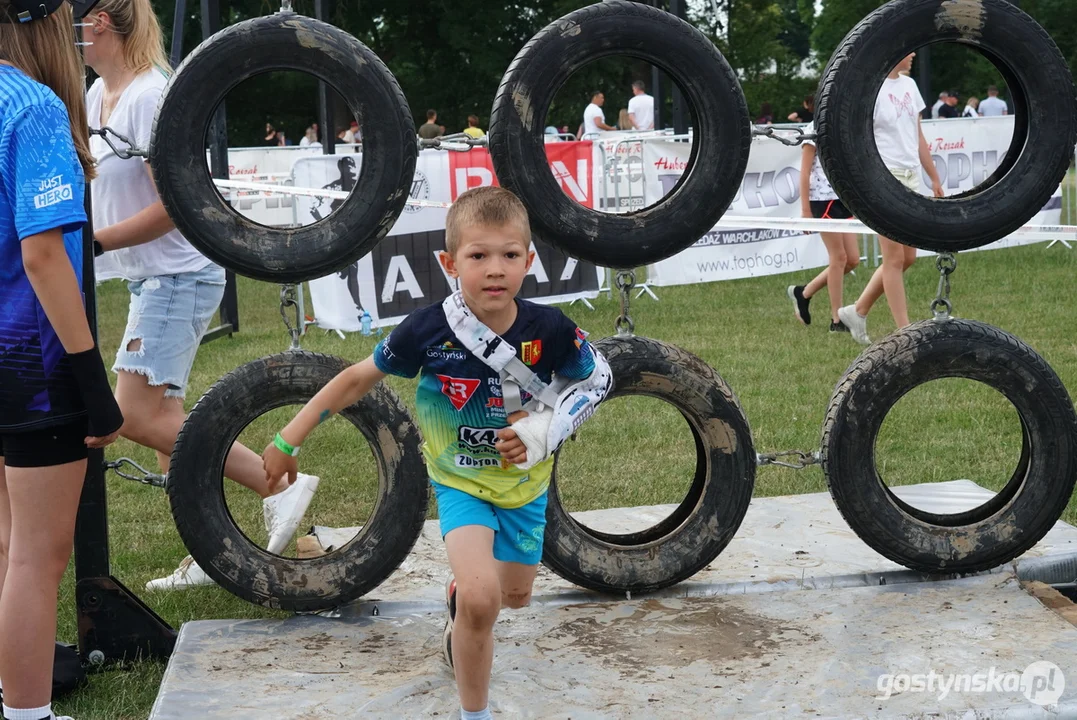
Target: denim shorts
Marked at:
518, 532
169, 314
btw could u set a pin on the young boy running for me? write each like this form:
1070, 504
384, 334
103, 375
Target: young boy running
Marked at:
487, 360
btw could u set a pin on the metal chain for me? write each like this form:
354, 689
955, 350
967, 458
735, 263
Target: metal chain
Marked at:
122, 153
772, 133
626, 281
804, 459
288, 298
145, 477
941, 305
453, 142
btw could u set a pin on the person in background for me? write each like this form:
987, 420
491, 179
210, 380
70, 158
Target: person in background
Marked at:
593, 119
641, 108
430, 129
310, 137
272, 138
473, 129
356, 134
818, 200
766, 115
971, 108
993, 105
55, 399
175, 290
806, 113
624, 121
938, 104
550, 134
949, 110
902, 146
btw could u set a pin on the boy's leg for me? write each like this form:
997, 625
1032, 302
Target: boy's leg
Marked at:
517, 580
518, 550
478, 602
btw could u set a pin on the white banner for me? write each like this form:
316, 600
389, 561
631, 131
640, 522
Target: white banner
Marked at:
966, 151
402, 273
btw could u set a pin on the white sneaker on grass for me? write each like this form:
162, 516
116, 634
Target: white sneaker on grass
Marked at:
188, 574
284, 511
857, 324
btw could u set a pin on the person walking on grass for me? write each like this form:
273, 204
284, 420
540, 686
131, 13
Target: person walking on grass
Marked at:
904, 149
175, 290
488, 472
55, 399
818, 200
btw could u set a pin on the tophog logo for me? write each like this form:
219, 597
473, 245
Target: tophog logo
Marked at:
477, 438
420, 190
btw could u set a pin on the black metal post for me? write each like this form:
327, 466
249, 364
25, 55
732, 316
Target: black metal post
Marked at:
322, 9
218, 162
680, 108
113, 623
177, 33
923, 75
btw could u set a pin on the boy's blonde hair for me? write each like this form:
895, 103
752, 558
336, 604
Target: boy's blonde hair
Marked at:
488, 207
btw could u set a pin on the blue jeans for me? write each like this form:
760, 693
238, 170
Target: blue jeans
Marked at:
169, 314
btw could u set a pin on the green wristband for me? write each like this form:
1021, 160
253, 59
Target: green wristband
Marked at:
282, 445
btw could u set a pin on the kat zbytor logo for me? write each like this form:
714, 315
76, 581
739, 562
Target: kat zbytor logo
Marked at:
458, 390
531, 351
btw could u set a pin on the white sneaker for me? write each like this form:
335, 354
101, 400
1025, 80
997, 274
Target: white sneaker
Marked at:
857, 324
284, 511
188, 574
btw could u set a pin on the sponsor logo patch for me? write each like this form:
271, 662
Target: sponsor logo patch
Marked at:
458, 390
531, 351
477, 438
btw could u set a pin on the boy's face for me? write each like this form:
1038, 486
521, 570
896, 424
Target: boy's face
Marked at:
491, 264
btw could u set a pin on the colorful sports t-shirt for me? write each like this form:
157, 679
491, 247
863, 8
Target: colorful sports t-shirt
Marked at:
41, 188
459, 397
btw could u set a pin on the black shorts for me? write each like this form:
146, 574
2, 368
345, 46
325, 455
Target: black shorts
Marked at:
829, 210
47, 447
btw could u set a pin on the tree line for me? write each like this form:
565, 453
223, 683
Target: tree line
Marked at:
451, 57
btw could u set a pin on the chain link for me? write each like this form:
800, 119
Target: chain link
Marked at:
453, 142
941, 305
773, 134
804, 459
626, 281
145, 477
122, 153
288, 298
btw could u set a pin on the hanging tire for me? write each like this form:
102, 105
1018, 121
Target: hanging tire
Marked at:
719, 156
1000, 529
283, 41
1045, 125
219, 546
702, 525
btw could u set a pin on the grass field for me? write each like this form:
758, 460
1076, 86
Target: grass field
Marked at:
636, 450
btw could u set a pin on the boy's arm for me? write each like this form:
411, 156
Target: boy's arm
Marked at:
344, 390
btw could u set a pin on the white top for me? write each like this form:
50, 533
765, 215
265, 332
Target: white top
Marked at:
897, 127
935, 109
124, 187
970, 112
819, 188
641, 107
592, 113
993, 107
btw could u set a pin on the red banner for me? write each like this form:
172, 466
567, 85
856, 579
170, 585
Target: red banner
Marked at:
570, 163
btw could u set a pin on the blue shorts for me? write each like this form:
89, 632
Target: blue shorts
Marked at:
169, 314
517, 532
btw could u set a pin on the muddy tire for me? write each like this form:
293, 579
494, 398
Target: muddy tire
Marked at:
283, 41
1002, 528
704, 523
721, 127
1044, 104
196, 488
